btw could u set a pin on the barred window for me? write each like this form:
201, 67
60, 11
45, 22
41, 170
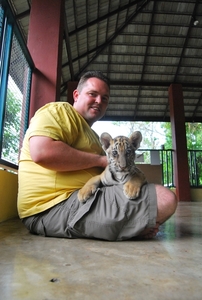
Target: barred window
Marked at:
1, 20
15, 90
16, 103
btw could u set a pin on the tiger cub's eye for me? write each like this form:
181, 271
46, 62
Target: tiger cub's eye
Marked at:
114, 153
128, 151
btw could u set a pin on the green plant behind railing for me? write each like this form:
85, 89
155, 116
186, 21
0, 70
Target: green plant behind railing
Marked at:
195, 167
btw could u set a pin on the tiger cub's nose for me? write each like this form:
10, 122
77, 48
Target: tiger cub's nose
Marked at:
123, 168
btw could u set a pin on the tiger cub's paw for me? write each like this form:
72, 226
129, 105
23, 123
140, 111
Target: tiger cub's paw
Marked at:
131, 190
85, 192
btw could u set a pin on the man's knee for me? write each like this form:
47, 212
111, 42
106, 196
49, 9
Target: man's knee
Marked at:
166, 203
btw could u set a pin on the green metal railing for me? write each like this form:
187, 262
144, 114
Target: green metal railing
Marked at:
164, 157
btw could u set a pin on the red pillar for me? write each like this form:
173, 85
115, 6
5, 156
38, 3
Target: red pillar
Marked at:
45, 37
181, 169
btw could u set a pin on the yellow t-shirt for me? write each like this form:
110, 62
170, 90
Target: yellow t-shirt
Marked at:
41, 188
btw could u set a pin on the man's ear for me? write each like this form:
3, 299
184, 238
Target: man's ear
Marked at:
75, 95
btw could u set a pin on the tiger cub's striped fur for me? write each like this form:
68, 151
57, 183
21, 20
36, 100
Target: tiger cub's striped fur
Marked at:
121, 167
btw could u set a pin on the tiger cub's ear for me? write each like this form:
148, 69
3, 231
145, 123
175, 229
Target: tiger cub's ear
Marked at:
105, 140
136, 138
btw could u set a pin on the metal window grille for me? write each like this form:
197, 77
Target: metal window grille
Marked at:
1, 20
16, 103
15, 75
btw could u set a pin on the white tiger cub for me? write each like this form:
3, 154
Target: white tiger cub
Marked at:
121, 167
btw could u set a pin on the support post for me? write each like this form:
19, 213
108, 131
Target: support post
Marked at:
45, 38
177, 118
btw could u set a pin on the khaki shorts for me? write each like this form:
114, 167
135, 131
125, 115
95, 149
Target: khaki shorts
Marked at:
107, 215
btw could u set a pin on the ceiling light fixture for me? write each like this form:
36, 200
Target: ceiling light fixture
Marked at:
195, 21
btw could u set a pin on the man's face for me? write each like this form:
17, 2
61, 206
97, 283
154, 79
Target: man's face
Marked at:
92, 101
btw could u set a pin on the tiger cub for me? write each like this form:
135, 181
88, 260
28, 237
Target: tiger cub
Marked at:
121, 167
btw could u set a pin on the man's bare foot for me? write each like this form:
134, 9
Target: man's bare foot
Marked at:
149, 233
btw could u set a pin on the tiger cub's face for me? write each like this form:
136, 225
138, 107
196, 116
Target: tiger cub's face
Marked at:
121, 151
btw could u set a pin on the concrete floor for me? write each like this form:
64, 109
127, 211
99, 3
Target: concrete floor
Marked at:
167, 267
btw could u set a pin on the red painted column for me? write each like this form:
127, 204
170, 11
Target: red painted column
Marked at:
45, 37
181, 169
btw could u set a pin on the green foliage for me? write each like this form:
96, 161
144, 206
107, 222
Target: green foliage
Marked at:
194, 143
151, 132
193, 135
168, 135
11, 133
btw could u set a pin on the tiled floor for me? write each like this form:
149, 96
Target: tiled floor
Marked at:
167, 267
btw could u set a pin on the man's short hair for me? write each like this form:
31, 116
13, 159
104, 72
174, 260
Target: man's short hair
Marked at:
91, 74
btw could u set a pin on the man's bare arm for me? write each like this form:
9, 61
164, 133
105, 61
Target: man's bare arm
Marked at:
58, 156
